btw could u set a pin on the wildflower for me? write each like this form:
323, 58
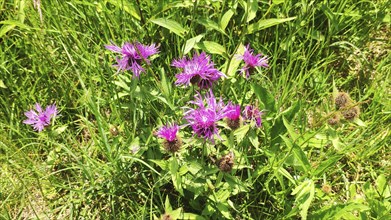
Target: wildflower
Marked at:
198, 70
203, 120
132, 55
233, 116
253, 114
252, 61
172, 141
226, 163
342, 100
39, 118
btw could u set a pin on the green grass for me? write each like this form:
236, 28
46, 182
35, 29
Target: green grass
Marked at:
295, 166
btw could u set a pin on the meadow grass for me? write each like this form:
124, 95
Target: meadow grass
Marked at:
100, 159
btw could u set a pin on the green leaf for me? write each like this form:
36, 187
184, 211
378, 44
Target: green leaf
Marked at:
2, 85
209, 24
277, 2
305, 193
167, 205
325, 164
170, 25
254, 139
226, 18
192, 216
8, 25
223, 208
382, 187
241, 132
264, 96
192, 42
266, 23
194, 167
128, 7
291, 131
234, 62
252, 9
298, 154
212, 47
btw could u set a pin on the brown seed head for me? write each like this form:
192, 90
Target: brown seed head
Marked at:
334, 119
172, 146
233, 124
166, 216
226, 163
342, 100
351, 113
326, 188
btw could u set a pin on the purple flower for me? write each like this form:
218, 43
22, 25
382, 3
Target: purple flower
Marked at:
40, 119
198, 70
253, 114
252, 61
233, 116
168, 132
172, 142
132, 55
203, 120
233, 111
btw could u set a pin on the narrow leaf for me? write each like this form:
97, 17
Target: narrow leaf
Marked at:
212, 47
191, 42
226, 18
266, 23
170, 25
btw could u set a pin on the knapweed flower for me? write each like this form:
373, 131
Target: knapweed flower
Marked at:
251, 61
198, 70
132, 56
172, 141
203, 119
40, 118
233, 115
252, 113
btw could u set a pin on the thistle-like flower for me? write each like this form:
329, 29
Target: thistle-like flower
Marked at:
203, 119
132, 56
39, 119
198, 70
233, 115
252, 113
251, 61
172, 141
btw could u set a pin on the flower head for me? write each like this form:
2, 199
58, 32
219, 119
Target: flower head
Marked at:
40, 118
172, 142
252, 113
203, 119
168, 132
198, 70
251, 61
233, 116
132, 56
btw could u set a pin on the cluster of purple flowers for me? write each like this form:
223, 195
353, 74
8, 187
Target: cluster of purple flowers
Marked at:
198, 70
